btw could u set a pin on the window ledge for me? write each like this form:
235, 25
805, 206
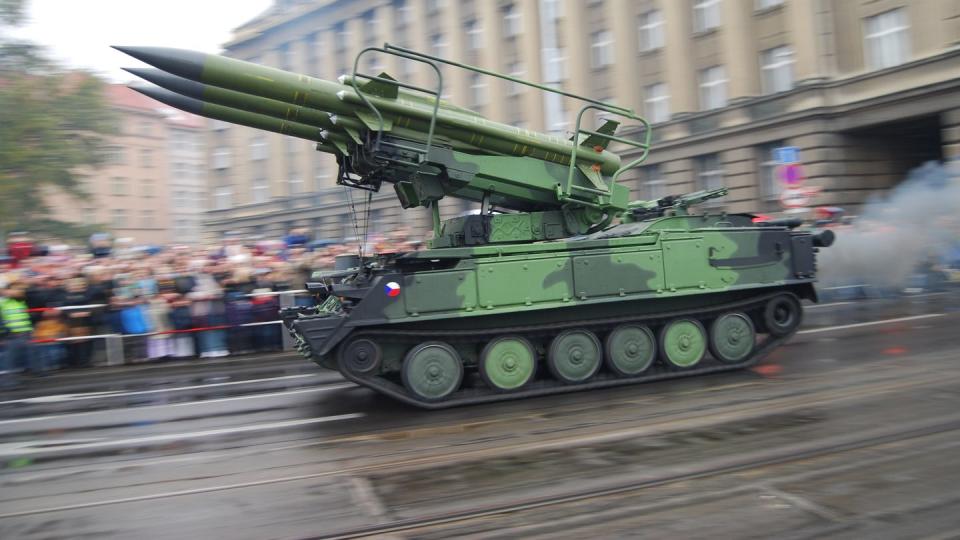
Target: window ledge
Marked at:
705, 33
761, 12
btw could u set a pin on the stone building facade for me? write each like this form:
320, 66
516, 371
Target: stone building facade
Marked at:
867, 89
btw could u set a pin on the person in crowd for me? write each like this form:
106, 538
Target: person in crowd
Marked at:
159, 345
208, 311
182, 342
47, 351
15, 332
80, 322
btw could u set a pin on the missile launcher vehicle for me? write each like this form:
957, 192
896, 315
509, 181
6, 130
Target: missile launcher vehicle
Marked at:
560, 283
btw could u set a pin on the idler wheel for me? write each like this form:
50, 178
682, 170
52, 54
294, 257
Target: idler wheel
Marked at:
432, 370
732, 337
574, 356
361, 356
508, 363
782, 315
630, 350
683, 342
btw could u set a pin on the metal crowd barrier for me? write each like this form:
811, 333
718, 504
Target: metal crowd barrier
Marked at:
113, 342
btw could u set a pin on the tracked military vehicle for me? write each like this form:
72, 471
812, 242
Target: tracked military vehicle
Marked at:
558, 284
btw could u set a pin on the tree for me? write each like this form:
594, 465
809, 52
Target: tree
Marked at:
53, 132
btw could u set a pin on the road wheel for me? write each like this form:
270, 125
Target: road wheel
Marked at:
683, 342
361, 356
574, 356
508, 363
732, 337
782, 315
630, 349
432, 370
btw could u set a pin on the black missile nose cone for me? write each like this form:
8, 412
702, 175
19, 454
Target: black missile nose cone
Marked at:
173, 83
172, 99
181, 62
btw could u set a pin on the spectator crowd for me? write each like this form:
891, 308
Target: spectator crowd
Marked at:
174, 302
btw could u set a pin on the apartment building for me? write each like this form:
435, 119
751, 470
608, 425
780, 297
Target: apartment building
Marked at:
156, 155
866, 89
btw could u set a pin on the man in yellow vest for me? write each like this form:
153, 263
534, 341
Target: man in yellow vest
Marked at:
15, 332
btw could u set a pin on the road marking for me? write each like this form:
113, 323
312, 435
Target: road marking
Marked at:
26, 448
870, 323
120, 393
832, 304
184, 404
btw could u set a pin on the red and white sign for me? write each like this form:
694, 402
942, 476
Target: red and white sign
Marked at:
798, 197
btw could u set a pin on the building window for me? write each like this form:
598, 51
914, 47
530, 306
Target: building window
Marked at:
258, 147
404, 11
146, 219
887, 39
118, 185
286, 56
146, 157
261, 190
434, 6
181, 199
221, 158
651, 30
118, 217
654, 184
146, 189
776, 67
516, 71
222, 198
767, 4
770, 185
657, 103
474, 35
713, 88
146, 128
709, 172
478, 90
370, 33
438, 45
511, 21
706, 15
601, 45
116, 155
219, 125
295, 183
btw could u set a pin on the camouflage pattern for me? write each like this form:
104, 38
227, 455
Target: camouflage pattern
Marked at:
567, 273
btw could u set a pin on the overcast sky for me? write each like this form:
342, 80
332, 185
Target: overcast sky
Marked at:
80, 32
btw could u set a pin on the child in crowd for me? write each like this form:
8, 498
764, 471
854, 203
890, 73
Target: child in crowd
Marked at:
47, 352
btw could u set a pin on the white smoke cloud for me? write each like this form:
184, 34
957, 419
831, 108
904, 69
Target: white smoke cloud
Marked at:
915, 222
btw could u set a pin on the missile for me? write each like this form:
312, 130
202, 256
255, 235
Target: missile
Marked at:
398, 107
245, 118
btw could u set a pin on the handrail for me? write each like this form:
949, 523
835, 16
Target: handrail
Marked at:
567, 189
564, 190
372, 107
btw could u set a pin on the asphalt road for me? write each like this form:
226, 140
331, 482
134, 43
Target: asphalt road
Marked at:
848, 431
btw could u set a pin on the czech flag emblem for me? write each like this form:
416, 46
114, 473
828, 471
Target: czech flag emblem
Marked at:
392, 289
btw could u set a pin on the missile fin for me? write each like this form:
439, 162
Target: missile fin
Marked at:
340, 146
593, 176
381, 88
609, 127
370, 120
354, 134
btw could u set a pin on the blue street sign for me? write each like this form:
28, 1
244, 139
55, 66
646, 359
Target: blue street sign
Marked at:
787, 154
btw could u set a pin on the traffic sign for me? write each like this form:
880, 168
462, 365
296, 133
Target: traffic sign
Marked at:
786, 154
794, 198
791, 174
